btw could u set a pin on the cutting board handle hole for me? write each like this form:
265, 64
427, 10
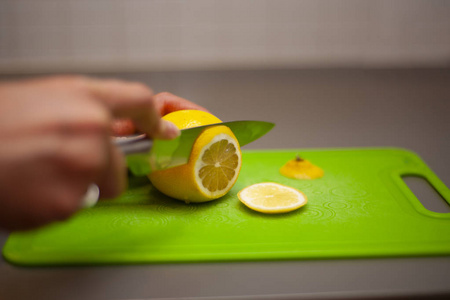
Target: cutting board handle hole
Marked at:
424, 191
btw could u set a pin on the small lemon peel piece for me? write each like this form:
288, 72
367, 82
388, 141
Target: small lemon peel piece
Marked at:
299, 168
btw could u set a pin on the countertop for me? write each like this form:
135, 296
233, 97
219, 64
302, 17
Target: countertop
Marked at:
315, 108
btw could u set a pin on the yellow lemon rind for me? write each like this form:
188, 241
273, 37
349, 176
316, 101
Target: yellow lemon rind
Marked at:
301, 170
189, 118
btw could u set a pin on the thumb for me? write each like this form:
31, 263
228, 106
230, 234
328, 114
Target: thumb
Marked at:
166, 130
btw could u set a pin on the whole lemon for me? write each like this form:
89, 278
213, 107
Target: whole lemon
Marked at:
214, 163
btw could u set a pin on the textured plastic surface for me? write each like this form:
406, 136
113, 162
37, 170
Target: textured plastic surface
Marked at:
360, 208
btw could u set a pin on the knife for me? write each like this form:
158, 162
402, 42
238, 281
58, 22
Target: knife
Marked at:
144, 155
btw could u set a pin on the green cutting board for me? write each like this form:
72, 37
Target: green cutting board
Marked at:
360, 208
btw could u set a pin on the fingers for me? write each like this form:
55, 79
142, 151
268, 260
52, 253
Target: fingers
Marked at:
124, 99
123, 127
91, 158
134, 101
113, 180
167, 103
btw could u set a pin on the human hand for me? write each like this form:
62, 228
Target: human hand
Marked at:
55, 141
165, 103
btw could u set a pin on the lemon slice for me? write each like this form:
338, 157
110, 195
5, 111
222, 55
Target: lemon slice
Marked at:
213, 166
272, 198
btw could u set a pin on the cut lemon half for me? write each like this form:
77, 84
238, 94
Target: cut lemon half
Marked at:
214, 163
272, 198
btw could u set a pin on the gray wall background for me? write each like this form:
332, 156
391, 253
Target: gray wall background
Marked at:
161, 35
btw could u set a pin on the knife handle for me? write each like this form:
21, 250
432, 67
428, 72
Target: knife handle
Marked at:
91, 196
132, 145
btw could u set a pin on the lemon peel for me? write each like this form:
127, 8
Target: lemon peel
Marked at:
299, 168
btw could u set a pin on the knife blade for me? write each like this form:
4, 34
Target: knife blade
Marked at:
144, 155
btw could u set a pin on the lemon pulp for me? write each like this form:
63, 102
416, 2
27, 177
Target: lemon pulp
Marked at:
218, 166
270, 197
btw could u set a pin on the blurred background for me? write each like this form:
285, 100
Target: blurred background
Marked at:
348, 73
161, 35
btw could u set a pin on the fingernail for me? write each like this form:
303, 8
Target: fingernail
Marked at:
170, 130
